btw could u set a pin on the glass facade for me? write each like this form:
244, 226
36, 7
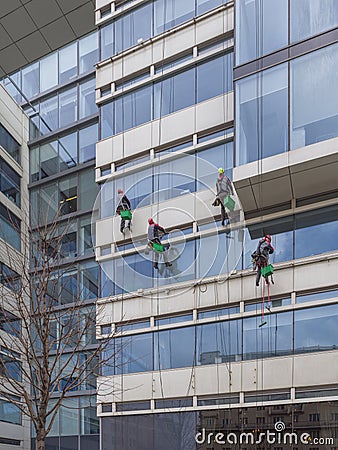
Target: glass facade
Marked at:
263, 103
149, 20
286, 333
9, 144
181, 90
263, 26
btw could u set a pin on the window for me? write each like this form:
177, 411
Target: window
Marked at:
9, 144
68, 107
68, 63
262, 114
314, 417
88, 52
87, 98
9, 412
315, 329
87, 141
169, 13
262, 26
133, 26
10, 227
174, 348
9, 278
311, 17
214, 77
49, 72
10, 182
134, 353
314, 87
10, 365
30, 80
133, 109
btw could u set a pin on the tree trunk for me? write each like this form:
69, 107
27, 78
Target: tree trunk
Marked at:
40, 444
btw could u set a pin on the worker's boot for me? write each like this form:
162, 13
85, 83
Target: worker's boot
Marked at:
168, 264
156, 266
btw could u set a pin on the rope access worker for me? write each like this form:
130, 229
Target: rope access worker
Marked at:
223, 188
155, 232
123, 204
261, 256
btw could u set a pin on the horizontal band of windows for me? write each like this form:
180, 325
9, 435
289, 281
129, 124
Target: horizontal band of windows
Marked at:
285, 333
57, 68
149, 20
294, 237
206, 80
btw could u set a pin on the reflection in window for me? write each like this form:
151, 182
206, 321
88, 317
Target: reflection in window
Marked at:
48, 72
10, 227
174, 348
87, 98
87, 141
219, 342
262, 26
49, 115
133, 109
169, 13
302, 298
88, 52
214, 77
68, 151
316, 329
311, 17
314, 88
30, 80
10, 182
68, 63
274, 339
11, 146
136, 353
68, 107
9, 412
262, 115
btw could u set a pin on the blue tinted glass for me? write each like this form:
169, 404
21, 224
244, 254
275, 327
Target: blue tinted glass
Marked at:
220, 155
135, 25
68, 107
107, 41
218, 312
174, 348
206, 5
174, 93
257, 307
261, 27
314, 88
262, 115
310, 225
310, 17
49, 115
137, 353
272, 339
316, 296
316, 329
174, 319
106, 120
169, 13
133, 109
219, 342
214, 77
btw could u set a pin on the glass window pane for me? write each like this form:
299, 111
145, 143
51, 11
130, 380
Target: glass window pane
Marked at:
136, 109
138, 187
310, 225
206, 5
68, 287
137, 353
316, 329
314, 88
219, 342
262, 26
48, 72
88, 189
34, 156
133, 26
262, 115
174, 348
274, 339
89, 281
86, 238
49, 115
87, 142
88, 52
310, 17
69, 417
49, 161
68, 63
214, 77
221, 155
174, 93
106, 120
30, 80
68, 196
68, 107
88, 417
169, 13
87, 98
107, 41
68, 151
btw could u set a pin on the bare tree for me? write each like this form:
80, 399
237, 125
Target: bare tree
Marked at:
48, 346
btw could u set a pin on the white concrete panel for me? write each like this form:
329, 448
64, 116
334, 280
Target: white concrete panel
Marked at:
214, 112
307, 276
177, 41
136, 308
173, 383
316, 369
212, 26
104, 313
104, 232
104, 75
137, 140
138, 59
104, 152
177, 125
170, 303
136, 387
118, 147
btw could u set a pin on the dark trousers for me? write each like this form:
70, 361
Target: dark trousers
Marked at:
123, 224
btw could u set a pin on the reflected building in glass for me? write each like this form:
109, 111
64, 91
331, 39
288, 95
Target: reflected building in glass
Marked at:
176, 83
